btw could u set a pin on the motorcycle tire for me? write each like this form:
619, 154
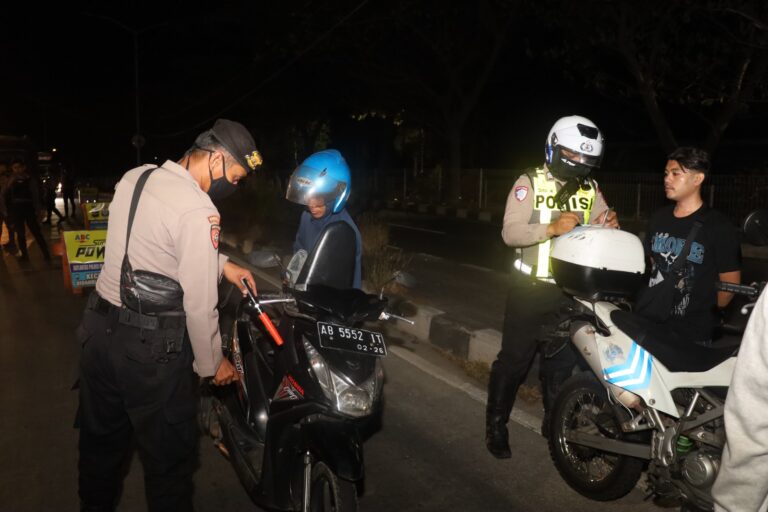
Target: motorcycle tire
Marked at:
601, 476
329, 493
246, 463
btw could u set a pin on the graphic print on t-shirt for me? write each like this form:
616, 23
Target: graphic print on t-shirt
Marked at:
666, 249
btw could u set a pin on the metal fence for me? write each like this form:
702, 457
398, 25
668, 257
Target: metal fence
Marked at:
633, 195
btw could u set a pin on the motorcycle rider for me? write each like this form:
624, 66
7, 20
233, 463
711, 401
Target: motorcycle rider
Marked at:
323, 183
544, 203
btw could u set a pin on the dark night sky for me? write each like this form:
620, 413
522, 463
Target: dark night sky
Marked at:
67, 81
68, 76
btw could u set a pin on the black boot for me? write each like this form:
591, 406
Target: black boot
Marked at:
501, 397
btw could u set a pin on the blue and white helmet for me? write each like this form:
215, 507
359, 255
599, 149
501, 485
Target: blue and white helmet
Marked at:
574, 147
325, 175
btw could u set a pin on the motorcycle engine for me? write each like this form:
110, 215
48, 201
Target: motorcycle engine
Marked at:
700, 469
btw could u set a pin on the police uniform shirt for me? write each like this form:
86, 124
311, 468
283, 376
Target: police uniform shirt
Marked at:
175, 233
518, 230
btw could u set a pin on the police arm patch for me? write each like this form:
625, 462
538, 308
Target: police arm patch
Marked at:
521, 193
215, 231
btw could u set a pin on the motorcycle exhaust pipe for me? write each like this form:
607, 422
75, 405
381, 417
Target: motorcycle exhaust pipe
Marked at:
583, 337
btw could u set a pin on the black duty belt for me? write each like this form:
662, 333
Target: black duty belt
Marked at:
170, 320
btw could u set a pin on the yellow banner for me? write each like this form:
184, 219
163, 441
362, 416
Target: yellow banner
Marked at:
85, 255
96, 215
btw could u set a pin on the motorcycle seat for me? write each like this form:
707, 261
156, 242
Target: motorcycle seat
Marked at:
349, 306
675, 355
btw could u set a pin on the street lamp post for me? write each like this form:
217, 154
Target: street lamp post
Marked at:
138, 139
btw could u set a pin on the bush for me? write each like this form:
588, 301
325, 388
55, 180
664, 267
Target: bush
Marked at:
380, 260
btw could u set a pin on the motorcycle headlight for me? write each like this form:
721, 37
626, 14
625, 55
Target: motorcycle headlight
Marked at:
349, 399
323, 374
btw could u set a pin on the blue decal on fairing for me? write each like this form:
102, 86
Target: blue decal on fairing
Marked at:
635, 373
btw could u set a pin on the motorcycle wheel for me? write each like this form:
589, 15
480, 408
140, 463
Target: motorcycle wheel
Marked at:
329, 493
244, 456
583, 405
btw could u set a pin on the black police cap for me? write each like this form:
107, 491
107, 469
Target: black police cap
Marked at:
238, 142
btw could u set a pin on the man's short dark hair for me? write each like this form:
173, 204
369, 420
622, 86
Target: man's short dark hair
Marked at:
206, 142
19, 160
691, 158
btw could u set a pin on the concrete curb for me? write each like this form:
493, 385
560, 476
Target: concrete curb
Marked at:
480, 345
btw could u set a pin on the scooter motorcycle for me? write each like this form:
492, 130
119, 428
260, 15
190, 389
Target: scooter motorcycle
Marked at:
642, 405
291, 426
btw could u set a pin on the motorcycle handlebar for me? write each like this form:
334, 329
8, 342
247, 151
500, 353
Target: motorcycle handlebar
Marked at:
740, 289
268, 325
265, 298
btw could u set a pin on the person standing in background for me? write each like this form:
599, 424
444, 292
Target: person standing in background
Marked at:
22, 198
68, 190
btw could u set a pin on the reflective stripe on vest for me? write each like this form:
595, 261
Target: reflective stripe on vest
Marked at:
544, 207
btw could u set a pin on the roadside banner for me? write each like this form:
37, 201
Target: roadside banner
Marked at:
83, 257
95, 215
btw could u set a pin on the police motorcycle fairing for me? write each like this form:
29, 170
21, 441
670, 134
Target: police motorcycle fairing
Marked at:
645, 405
291, 426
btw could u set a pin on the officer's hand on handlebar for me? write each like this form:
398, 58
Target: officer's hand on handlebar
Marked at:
565, 223
235, 273
225, 374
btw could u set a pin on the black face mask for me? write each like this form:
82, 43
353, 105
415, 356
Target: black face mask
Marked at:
220, 188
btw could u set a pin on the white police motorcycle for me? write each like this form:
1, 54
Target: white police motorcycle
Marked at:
644, 406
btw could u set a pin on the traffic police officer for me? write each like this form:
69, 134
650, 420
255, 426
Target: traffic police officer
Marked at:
136, 370
544, 203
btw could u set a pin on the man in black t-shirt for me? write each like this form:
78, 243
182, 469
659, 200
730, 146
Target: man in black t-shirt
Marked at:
715, 252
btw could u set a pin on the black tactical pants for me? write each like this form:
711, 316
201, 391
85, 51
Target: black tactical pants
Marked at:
533, 311
131, 389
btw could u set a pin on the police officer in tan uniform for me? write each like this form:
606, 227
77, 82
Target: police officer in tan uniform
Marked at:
136, 369
544, 203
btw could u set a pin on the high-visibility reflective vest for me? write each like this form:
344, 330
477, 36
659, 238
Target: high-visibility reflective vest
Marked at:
534, 260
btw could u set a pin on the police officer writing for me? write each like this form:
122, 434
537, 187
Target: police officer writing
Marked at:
153, 319
544, 203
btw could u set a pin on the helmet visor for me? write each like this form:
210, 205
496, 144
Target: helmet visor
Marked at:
574, 157
307, 183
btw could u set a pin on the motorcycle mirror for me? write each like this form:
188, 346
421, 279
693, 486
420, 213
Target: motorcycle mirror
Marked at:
756, 228
279, 261
402, 278
295, 265
405, 279
264, 259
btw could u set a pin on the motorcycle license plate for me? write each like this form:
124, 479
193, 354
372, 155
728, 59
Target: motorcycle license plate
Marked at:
350, 339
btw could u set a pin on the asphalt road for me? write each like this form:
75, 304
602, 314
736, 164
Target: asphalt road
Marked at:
428, 456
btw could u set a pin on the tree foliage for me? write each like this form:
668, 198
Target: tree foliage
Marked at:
708, 58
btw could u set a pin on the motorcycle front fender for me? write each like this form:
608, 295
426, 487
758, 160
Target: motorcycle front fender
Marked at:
336, 443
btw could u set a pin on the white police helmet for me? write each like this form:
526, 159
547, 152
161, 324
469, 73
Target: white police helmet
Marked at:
574, 147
